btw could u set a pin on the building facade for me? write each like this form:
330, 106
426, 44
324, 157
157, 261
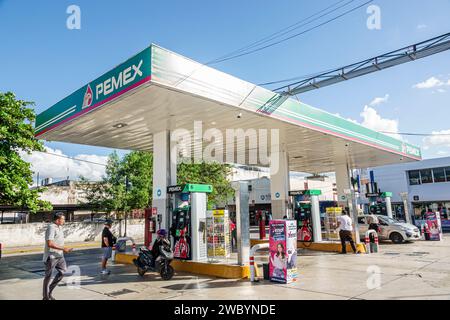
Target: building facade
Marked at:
260, 195
427, 184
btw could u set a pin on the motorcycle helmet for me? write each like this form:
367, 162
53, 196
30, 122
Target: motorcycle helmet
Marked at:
162, 233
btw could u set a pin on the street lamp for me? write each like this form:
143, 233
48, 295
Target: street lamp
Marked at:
128, 186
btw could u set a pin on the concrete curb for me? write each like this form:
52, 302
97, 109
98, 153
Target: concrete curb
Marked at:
41, 250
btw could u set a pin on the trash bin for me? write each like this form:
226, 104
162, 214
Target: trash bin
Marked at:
121, 246
266, 271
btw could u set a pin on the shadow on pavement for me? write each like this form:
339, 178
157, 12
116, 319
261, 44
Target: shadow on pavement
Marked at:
208, 284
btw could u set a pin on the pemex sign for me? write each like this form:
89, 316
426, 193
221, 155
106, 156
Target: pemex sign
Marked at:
125, 77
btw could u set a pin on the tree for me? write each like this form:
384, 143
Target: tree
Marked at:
95, 195
137, 167
213, 173
114, 194
16, 136
127, 184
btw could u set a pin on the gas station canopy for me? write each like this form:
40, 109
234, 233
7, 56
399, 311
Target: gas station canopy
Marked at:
159, 90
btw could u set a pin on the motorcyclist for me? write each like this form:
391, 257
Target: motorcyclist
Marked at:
161, 236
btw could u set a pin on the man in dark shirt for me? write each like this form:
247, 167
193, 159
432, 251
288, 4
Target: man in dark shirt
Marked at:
108, 240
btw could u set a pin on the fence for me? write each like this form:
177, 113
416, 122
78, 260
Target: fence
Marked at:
18, 235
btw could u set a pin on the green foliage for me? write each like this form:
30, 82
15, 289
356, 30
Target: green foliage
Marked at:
112, 194
212, 173
16, 136
95, 195
138, 167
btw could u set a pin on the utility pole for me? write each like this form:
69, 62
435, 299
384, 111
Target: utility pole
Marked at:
388, 60
127, 188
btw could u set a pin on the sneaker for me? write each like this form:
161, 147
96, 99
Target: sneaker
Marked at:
105, 272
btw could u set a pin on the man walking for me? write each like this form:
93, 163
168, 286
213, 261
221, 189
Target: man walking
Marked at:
108, 240
345, 224
54, 255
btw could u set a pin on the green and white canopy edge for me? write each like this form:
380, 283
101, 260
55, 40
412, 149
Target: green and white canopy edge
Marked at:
158, 90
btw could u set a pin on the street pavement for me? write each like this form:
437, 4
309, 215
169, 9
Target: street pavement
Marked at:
419, 270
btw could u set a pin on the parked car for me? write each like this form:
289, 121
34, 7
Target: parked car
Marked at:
391, 229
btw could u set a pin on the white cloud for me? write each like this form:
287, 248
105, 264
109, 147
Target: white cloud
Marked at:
372, 120
442, 153
348, 119
421, 26
57, 167
379, 100
439, 138
430, 83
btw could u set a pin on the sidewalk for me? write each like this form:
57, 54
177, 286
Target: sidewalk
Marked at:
254, 234
40, 249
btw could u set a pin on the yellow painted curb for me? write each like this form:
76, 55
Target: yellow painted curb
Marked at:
318, 246
125, 258
210, 269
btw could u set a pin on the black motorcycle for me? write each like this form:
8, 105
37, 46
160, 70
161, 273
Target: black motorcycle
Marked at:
145, 261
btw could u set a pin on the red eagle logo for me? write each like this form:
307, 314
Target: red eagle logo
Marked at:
88, 97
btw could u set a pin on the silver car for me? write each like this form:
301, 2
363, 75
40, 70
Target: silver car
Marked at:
390, 229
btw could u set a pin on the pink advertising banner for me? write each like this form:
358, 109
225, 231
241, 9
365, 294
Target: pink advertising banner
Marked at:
283, 251
433, 222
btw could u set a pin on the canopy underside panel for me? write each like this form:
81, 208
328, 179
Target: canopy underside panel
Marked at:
153, 108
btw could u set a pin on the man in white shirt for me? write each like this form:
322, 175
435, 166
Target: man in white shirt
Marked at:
54, 255
345, 224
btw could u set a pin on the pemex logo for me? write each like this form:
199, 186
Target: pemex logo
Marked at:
88, 96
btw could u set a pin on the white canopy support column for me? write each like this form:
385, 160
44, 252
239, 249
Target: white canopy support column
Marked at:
346, 194
342, 183
242, 221
387, 198
315, 215
279, 182
162, 175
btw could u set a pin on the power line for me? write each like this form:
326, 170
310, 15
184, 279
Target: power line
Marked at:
226, 57
283, 31
406, 54
306, 76
72, 158
297, 34
417, 134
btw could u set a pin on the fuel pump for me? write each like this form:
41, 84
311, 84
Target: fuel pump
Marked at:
262, 224
377, 206
307, 213
188, 221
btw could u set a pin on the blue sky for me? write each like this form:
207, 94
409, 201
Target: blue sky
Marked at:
43, 61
